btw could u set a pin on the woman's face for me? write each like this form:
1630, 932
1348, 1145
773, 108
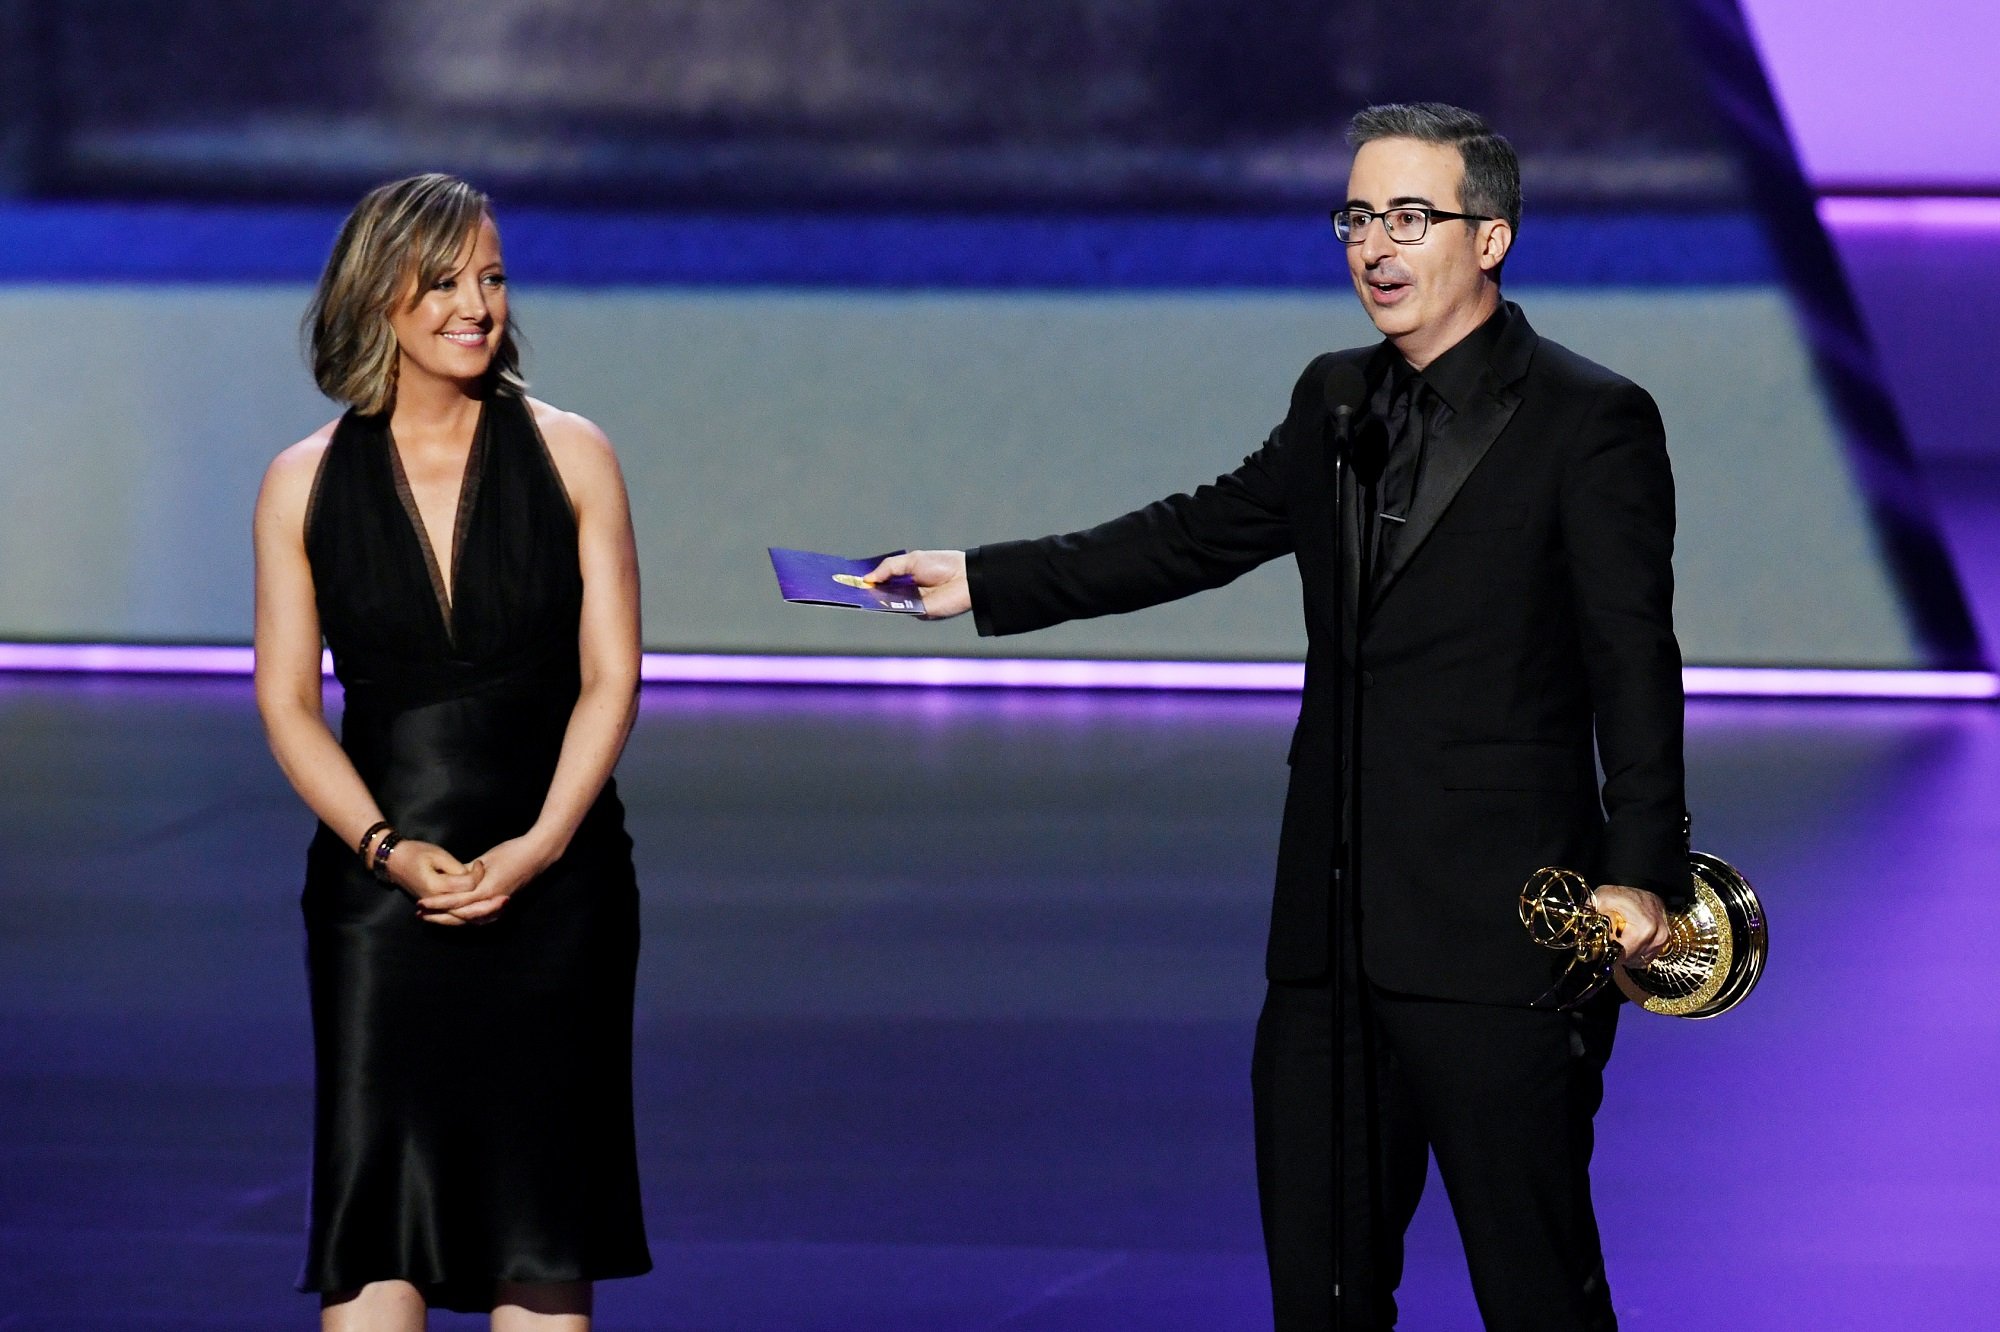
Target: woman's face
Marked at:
451, 331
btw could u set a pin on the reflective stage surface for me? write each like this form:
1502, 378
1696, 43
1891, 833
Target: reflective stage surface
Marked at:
945, 1016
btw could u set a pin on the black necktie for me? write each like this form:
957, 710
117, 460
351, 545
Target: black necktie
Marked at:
1409, 415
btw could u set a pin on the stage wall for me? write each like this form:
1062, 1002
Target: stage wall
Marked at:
140, 418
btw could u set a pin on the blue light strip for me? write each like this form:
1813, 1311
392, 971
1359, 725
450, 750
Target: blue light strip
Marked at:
149, 243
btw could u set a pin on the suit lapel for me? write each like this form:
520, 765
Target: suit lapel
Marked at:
1451, 455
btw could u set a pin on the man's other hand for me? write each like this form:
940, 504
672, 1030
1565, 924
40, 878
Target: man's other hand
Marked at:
938, 574
1638, 921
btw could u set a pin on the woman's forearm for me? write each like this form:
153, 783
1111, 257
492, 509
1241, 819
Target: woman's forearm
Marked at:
598, 727
320, 771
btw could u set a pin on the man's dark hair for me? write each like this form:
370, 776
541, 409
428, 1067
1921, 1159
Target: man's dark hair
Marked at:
1492, 171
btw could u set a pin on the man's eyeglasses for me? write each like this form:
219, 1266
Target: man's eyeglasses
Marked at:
1406, 225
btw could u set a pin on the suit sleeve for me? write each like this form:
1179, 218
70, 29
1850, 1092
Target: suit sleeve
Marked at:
1170, 549
1618, 527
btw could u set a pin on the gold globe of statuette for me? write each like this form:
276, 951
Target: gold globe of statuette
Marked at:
1710, 964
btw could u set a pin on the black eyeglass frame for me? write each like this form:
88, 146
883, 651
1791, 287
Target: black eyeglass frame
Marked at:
1429, 215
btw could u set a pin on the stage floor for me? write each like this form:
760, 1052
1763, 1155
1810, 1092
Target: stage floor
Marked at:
945, 1020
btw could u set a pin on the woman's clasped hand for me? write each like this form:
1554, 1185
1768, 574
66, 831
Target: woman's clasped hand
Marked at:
450, 893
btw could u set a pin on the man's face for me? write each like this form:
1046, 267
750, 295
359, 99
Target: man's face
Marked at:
1438, 287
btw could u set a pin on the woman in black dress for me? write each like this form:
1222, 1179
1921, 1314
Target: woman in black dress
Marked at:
470, 907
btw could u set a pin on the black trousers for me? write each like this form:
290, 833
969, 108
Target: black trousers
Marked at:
1503, 1096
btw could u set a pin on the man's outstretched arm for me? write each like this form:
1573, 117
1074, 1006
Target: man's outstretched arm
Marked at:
1170, 549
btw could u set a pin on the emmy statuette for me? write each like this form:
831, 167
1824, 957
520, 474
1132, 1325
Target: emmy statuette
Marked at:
1709, 966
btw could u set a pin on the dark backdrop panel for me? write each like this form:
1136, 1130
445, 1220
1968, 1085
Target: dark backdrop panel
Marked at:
842, 103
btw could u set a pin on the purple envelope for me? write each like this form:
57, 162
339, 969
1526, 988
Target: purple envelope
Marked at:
812, 579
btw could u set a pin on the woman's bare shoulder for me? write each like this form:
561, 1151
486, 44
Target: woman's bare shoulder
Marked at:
568, 431
581, 451
288, 480
304, 456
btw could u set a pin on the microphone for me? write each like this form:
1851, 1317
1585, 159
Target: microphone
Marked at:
1345, 390
1364, 449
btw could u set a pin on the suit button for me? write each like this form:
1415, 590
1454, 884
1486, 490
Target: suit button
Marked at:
1367, 679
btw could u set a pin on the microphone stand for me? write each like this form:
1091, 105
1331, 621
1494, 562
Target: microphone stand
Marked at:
1343, 917
1346, 676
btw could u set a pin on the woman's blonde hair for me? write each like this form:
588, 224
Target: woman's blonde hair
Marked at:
411, 228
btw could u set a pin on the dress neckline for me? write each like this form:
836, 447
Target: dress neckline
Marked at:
444, 588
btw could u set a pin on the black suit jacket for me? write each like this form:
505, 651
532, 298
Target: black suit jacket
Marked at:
1528, 611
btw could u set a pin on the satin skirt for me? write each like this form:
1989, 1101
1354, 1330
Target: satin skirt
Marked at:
473, 1107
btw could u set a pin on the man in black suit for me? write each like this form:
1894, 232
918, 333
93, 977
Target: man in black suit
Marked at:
1499, 572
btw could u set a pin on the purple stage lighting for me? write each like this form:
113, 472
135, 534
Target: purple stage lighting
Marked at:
1016, 672
1883, 96
1937, 215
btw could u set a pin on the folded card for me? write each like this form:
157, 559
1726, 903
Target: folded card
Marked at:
812, 579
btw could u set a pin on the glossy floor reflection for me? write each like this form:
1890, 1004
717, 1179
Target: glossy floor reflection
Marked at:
945, 1020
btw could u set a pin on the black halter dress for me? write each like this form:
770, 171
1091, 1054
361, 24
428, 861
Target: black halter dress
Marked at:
474, 1102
